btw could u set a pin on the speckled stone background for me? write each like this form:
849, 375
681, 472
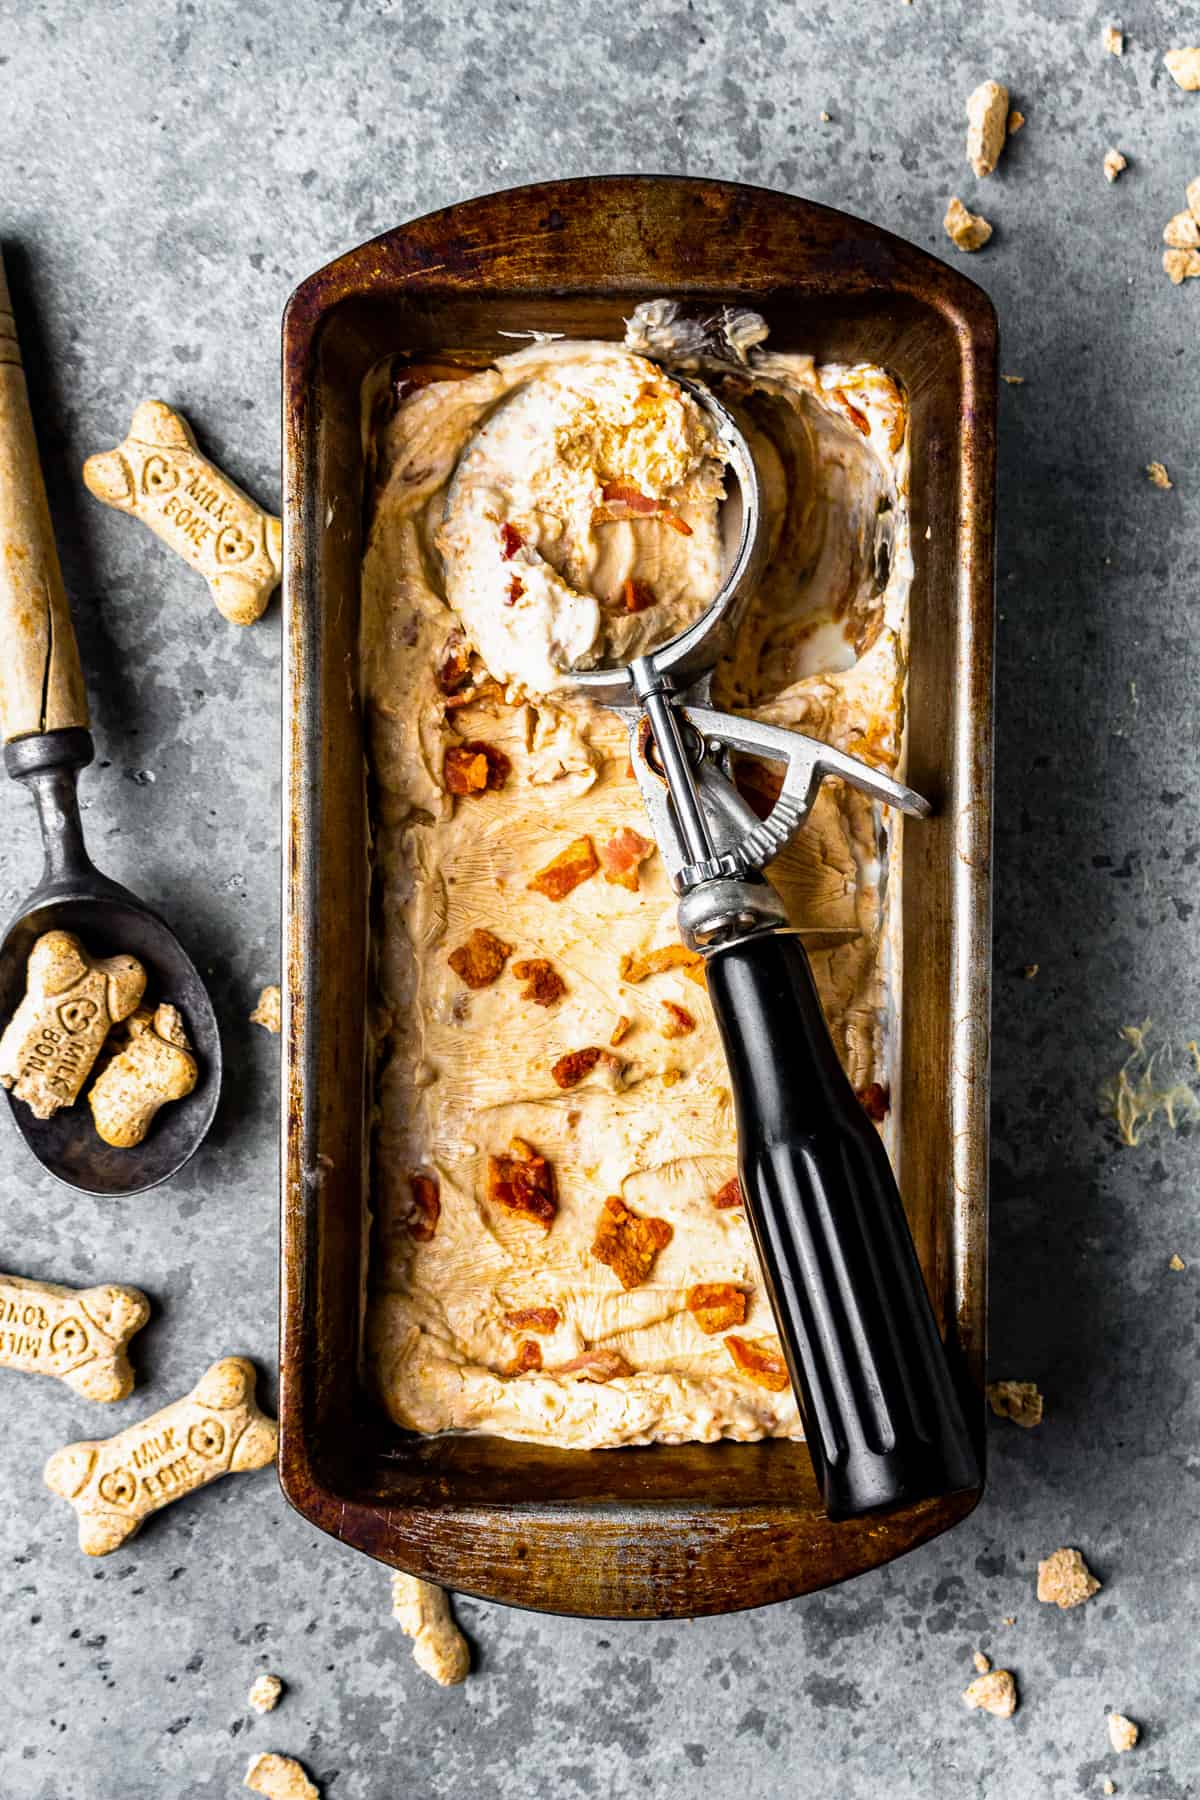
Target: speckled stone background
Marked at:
170, 172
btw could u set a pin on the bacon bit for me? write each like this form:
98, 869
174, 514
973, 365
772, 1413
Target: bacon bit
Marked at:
510, 541
421, 1219
571, 866
622, 856
545, 984
730, 1194
472, 768
516, 588
596, 1365
481, 960
621, 1030
534, 1318
627, 1243
624, 502
632, 497
875, 1101
528, 1358
716, 1305
764, 1365
667, 956
523, 1182
577, 1065
638, 596
454, 665
856, 418
678, 1021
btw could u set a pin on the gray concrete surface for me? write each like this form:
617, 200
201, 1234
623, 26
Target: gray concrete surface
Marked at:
169, 173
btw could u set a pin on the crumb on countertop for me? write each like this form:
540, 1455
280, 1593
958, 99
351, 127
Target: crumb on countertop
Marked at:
966, 230
982, 1663
1181, 265
1064, 1580
1114, 163
265, 1692
1184, 67
1158, 475
279, 1778
987, 126
1123, 1734
1113, 40
995, 1693
1016, 1400
1015, 121
269, 1011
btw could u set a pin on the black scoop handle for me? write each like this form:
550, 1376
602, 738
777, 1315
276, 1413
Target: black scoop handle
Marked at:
881, 1412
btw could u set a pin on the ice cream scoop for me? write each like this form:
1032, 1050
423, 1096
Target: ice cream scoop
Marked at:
882, 1413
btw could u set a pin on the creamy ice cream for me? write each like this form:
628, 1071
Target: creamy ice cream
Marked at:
559, 1251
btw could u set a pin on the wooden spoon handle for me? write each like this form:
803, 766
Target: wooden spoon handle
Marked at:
41, 682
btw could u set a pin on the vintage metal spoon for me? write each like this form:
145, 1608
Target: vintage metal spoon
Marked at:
43, 707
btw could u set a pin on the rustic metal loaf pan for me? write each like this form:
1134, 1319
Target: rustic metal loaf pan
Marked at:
663, 1531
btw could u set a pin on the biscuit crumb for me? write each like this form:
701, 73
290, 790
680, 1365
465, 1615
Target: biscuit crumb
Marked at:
1181, 265
1064, 1580
1177, 1263
1113, 39
1110, 1787
279, 1778
987, 125
1015, 121
1133, 1100
1016, 1400
995, 1693
1009, 1621
269, 1011
1030, 970
1184, 67
826, 119
983, 1664
1182, 232
1014, 380
1123, 1734
264, 1695
1114, 163
1158, 475
966, 230
423, 1612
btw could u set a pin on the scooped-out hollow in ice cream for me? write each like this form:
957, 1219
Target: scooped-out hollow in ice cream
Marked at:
593, 465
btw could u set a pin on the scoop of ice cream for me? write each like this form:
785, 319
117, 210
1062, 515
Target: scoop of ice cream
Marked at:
581, 523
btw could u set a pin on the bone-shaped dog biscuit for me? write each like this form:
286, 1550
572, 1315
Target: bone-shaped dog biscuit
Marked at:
115, 1483
154, 1067
56, 1034
78, 1335
160, 476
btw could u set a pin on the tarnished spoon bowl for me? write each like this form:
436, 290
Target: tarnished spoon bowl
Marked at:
74, 896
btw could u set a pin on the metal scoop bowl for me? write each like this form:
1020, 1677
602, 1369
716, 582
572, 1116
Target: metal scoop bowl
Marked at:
45, 718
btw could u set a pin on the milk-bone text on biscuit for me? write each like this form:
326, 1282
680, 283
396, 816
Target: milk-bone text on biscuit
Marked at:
71, 1000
